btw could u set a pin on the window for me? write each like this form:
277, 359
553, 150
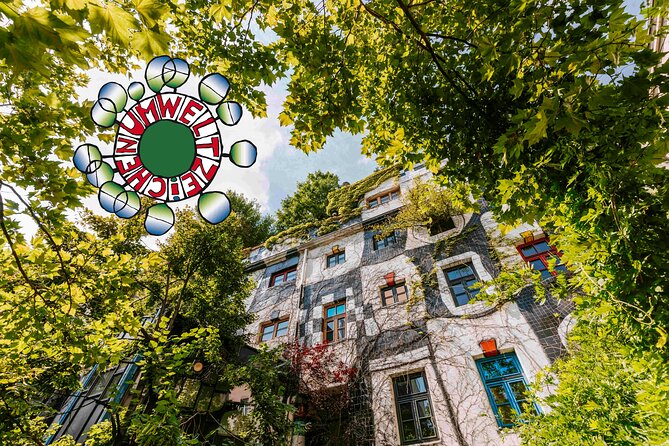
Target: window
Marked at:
460, 280
414, 409
384, 242
273, 330
336, 259
394, 294
283, 276
383, 199
335, 322
506, 388
441, 224
538, 253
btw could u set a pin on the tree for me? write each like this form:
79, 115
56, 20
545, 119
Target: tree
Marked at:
554, 112
308, 203
256, 227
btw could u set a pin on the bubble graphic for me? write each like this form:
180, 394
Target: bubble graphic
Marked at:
108, 193
100, 174
213, 88
84, 155
177, 70
229, 112
214, 207
159, 219
136, 90
243, 153
158, 156
116, 94
127, 204
103, 112
154, 73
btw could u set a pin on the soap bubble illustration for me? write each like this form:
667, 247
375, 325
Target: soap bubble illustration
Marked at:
167, 147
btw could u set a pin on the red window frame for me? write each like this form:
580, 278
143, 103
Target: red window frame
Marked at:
284, 276
542, 256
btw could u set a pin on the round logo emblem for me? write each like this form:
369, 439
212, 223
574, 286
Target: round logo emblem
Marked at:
168, 146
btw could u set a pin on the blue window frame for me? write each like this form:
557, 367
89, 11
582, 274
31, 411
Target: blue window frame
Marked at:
506, 388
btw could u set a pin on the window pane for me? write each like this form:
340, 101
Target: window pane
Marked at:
282, 328
341, 328
394, 195
506, 414
418, 384
423, 408
427, 428
406, 413
341, 308
330, 312
402, 386
466, 271
402, 293
385, 199
267, 332
461, 299
499, 368
542, 247
499, 394
453, 274
528, 251
291, 275
537, 265
331, 261
409, 429
519, 390
342, 257
373, 203
278, 279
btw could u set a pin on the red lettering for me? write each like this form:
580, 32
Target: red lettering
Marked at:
193, 184
213, 145
197, 127
175, 189
188, 111
133, 164
163, 187
141, 176
168, 108
208, 174
137, 126
143, 112
129, 147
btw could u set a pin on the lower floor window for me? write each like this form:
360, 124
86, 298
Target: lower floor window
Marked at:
414, 409
506, 388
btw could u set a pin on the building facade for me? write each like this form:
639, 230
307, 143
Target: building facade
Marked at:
433, 368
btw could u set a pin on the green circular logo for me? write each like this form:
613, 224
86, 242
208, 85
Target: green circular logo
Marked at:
167, 148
